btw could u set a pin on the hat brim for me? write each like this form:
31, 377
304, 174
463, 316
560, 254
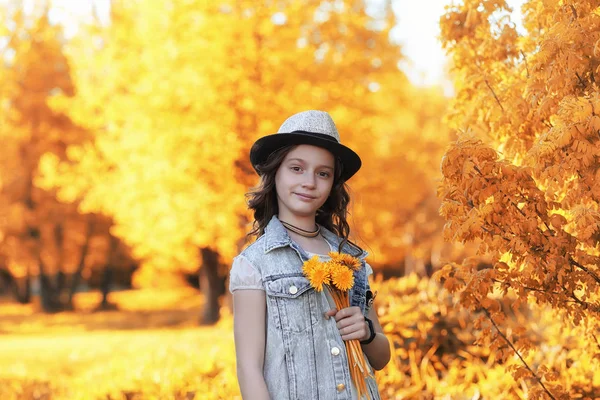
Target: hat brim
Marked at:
265, 146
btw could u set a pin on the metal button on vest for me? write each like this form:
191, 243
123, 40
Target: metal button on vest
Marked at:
293, 289
341, 387
335, 351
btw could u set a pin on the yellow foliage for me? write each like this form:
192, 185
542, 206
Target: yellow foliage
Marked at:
39, 235
540, 118
187, 88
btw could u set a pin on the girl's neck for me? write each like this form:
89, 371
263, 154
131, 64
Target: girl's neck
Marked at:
305, 223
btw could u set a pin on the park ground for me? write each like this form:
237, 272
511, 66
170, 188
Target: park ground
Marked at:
151, 348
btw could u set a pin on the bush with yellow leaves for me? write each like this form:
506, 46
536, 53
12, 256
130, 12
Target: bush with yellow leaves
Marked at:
443, 351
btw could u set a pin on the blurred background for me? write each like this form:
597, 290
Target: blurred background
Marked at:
125, 130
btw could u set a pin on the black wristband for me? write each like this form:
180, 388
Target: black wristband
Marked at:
373, 333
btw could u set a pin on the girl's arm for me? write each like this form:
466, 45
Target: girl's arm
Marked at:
249, 313
378, 351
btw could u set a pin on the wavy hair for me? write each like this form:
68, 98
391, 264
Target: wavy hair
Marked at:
262, 200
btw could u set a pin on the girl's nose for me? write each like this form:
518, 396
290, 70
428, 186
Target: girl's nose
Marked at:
309, 181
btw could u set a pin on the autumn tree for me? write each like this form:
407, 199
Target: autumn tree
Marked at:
160, 162
523, 177
395, 204
40, 237
186, 87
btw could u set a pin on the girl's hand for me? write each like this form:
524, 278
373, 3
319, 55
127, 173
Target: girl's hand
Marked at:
350, 322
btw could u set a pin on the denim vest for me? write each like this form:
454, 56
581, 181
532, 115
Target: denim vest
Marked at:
305, 356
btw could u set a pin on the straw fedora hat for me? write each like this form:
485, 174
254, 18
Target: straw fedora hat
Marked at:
308, 127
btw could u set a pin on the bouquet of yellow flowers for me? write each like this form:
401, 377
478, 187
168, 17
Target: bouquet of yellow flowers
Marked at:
337, 275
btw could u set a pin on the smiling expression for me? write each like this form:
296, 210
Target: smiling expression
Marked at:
304, 180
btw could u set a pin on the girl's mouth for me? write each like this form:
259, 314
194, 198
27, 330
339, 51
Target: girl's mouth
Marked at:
305, 197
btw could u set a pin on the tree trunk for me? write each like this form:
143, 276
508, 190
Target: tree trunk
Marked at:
9, 282
59, 240
105, 286
81, 265
5, 281
62, 278
48, 295
23, 295
107, 275
209, 285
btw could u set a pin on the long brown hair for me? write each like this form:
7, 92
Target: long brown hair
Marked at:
332, 215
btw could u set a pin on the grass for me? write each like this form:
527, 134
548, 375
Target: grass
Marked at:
151, 348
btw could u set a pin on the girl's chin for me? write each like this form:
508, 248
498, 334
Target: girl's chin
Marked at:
303, 211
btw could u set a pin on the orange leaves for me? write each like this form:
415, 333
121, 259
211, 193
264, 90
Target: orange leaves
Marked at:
545, 216
486, 202
557, 221
452, 285
555, 132
587, 224
462, 157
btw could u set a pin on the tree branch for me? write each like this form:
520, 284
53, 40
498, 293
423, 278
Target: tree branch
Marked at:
572, 295
581, 267
494, 93
581, 81
574, 11
584, 304
526, 65
596, 339
509, 343
571, 260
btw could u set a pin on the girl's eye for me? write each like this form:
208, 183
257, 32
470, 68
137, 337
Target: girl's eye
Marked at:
297, 169
325, 174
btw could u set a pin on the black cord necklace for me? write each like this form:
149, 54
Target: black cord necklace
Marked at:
301, 231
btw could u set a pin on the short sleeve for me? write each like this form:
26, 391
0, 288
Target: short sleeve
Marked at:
369, 269
244, 275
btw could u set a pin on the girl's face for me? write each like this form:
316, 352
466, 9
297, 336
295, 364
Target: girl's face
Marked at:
304, 180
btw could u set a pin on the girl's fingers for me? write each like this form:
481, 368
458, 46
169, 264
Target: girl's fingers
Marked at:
348, 312
349, 330
354, 330
358, 335
330, 313
349, 321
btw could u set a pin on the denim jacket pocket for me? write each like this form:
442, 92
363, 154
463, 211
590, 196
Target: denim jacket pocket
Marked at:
291, 301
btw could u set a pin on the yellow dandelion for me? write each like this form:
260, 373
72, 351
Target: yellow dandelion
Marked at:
342, 277
320, 277
310, 265
317, 273
333, 267
345, 259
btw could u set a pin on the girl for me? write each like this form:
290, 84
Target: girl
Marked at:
289, 337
